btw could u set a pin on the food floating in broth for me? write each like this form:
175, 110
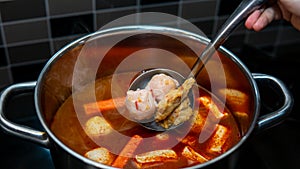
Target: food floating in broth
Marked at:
175, 108
192, 155
127, 152
155, 157
100, 155
94, 135
97, 126
162, 99
239, 105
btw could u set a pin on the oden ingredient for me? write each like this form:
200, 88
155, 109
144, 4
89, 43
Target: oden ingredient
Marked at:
161, 100
175, 106
95, 135
160, 85
100, 155
142, 103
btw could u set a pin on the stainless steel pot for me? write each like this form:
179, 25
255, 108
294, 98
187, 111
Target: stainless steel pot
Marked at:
56, 82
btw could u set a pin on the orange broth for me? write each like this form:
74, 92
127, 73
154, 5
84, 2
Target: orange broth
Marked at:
69, 129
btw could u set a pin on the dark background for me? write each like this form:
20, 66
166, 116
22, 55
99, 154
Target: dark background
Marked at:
32, 31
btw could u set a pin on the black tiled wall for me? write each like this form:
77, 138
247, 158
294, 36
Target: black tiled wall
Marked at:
104, 17
18, 10
169, 8
3, 61
226, 7
147, 2
32, 31
199, 9
19, 32
72, 25
29, 53
29, 72
1, 43
106, 4
60, 7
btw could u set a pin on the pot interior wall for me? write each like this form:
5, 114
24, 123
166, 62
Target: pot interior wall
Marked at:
102, 54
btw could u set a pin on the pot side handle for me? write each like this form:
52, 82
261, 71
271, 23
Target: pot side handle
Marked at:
271, 119
21, 131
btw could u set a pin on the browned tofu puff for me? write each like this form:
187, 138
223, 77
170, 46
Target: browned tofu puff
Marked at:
97, 126
156, 156
101, 155
181, 114
218, 140
238, 102
172, 99
198, 121
213, 108
191, 154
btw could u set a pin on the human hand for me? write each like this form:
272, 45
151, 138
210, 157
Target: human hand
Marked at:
283, 9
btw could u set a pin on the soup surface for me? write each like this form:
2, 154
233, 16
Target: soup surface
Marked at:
97, 130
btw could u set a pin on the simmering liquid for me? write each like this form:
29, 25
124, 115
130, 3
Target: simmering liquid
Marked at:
210, 132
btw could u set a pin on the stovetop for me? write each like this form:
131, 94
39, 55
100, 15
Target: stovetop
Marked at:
276, 148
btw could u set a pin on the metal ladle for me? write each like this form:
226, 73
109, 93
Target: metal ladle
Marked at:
245, 8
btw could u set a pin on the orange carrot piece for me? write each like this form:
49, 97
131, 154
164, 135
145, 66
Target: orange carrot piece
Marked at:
103, 105
127, 152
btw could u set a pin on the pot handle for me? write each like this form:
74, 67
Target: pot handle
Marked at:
21, 131
271, 119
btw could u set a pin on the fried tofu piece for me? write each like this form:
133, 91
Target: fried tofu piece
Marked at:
237, 100
173, 99
97, 126
238, 103
243, 120
212, 107
156, 156
181, 114
198, 121
191, 154
100, 155
218, 139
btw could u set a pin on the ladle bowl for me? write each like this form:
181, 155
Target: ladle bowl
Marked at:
142, 80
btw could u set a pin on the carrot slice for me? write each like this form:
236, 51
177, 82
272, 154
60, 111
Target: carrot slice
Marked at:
127, 151
103, 105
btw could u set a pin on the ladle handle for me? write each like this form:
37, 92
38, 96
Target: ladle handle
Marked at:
245, 8
24, 132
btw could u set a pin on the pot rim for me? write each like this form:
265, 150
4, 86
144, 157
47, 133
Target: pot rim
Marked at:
148, 28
